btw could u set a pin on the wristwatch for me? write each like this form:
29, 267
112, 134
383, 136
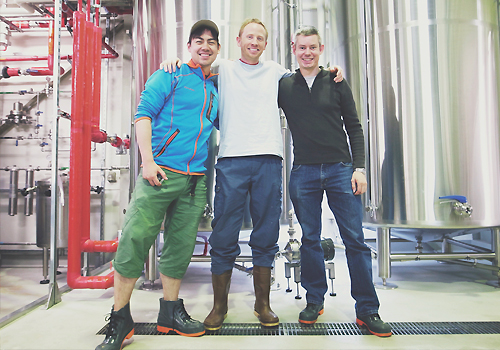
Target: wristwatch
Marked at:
361, 170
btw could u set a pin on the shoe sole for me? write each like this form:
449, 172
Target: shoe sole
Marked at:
313, 321
128, 336
266, 324
167, 329
361, 323
214, 328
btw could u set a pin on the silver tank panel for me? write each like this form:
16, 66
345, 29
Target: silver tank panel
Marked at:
430, 130
433, 95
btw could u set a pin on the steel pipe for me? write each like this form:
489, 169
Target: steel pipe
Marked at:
13, 189
28, 199
384, 252
448, 256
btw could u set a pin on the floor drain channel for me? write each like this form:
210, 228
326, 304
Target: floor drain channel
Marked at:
398, 328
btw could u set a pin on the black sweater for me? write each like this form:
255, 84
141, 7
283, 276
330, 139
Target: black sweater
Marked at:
317, 118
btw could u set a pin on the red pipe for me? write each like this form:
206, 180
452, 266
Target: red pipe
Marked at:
29, 58
77, 141
97, 12
50, 57
92, 282
88, 10
112, 54
87, 115
79, 172
37, 71
90, 246
126, 143
97, 135
66, 10
30, 24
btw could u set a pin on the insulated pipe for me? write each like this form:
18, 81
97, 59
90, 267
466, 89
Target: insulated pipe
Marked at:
29, 58
13, 189
50, 57
28, 199
88, 8
97, 12
79, 172
384, 252
97, 135
90, 246
76, 169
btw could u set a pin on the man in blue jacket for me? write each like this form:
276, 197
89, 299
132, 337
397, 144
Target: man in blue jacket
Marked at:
172, 138
329, 156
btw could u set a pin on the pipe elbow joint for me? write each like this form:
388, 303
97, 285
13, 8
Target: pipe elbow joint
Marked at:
99, 136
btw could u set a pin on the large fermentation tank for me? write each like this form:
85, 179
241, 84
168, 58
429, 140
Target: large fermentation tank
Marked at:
425, 76
426, 79
434, 130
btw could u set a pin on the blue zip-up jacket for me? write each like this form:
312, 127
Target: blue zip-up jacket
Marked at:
182, 107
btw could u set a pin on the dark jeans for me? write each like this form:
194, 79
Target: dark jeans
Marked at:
236, 178
307, 185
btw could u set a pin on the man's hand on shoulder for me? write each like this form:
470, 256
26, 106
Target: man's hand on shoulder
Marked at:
170, 65
339, 73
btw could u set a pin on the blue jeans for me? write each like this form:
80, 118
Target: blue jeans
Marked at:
307, 184
236, 178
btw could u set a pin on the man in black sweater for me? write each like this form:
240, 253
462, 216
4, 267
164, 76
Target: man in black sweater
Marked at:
317, 110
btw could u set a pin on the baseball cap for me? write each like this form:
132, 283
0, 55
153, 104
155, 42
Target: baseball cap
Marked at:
204, 24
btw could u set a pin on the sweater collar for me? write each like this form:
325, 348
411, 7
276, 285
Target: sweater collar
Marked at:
322, 73
195, 66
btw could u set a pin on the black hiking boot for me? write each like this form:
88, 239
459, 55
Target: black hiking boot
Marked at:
310, 314
120, 327
375, 325
173, 317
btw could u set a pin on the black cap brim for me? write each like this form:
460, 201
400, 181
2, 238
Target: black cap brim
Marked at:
205, 24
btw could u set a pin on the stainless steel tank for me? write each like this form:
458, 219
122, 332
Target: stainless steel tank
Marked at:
432, 128
425, 76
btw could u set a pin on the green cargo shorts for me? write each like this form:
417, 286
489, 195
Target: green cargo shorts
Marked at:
179, 201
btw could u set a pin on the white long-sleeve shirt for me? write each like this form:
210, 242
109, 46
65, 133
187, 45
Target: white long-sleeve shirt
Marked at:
248, 108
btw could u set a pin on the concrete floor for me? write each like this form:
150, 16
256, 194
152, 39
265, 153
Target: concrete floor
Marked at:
427, 291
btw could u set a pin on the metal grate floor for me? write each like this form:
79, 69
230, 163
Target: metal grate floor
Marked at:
398, 328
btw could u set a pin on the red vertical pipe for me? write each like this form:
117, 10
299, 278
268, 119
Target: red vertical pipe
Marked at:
87, 116
88, 10
84, 49
50, 57
97, 12
97, 134
77, 149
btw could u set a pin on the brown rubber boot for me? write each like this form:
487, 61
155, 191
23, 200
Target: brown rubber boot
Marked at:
262, 286
220, 285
